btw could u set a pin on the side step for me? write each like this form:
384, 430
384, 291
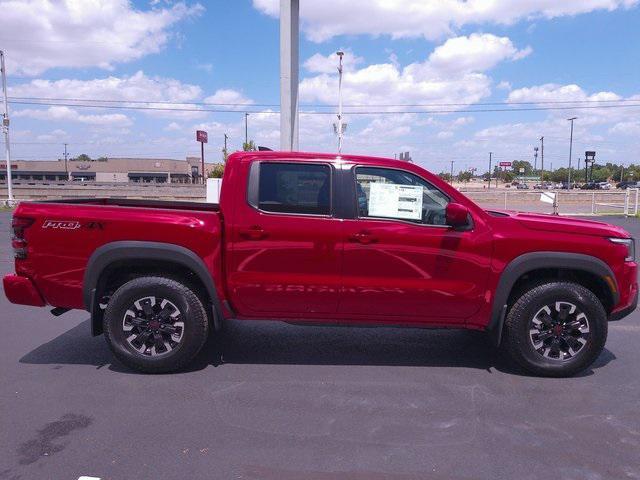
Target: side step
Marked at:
56, 312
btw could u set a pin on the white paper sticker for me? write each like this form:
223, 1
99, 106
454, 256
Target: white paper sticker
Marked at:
395, 201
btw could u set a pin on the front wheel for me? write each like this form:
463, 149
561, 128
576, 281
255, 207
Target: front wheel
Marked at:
155, 324
556, 329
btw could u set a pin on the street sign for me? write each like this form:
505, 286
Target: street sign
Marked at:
505, 164
521, 169
201, 136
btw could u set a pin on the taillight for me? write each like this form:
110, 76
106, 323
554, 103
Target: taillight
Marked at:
18, 241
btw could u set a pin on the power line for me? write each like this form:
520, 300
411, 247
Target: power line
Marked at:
327, 105
370, 112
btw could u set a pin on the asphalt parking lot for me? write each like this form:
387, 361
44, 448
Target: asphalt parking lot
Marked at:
272, 401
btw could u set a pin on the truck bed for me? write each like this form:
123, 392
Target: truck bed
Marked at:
141, 203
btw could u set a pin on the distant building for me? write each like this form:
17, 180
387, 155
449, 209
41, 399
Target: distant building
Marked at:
144, 170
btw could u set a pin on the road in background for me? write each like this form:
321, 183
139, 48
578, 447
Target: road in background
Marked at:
272, 401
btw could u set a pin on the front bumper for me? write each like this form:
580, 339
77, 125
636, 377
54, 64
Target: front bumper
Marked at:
22, 291
623, 312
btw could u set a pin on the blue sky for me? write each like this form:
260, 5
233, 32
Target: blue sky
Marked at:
398, 52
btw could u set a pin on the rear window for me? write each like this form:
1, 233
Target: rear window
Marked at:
295, 188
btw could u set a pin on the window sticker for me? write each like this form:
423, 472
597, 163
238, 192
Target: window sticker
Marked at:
395, 201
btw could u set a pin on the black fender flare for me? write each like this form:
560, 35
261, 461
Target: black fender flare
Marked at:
112, 252
534, 261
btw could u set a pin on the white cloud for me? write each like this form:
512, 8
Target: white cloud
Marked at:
626, 128
137, 87
43, 34
453, 73
173, 127
477, 52
554, 92
67, 114
430, 19
319, 63
226, 96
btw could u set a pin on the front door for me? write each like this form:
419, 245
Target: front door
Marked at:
401, 262
285, 245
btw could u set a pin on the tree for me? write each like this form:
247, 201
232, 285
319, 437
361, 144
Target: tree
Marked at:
217, 171
465, 176
249, 147
516, 165
445, 176
83, 157
225, 155
102, 159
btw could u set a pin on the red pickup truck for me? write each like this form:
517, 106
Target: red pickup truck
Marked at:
317, 238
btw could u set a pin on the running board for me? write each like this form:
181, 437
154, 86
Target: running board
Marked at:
56, 312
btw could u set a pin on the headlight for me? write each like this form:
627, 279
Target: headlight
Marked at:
631, 247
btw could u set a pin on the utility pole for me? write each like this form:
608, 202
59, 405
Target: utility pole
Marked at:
226, 137
490, 153
246, 129
452, 162
5, 128
66, 156
570, 149
542, 159
621, 172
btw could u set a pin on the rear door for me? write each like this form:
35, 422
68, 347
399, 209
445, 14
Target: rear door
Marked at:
285, 245
400, 259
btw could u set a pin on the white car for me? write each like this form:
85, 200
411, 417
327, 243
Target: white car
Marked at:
604, 185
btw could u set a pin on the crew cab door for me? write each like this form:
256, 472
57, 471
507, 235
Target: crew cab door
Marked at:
400, 261
285, 243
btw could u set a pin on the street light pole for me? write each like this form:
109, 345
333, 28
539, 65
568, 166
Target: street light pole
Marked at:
542, 159
490, 154
451, 179
246, 129
5, 128
570, 150
339, 128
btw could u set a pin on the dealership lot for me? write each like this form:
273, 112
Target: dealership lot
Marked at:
267, 400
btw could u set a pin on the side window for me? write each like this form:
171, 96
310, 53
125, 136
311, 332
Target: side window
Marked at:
295, 188
390, 193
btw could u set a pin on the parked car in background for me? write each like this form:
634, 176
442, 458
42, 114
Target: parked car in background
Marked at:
604, 185
627, 184
313, 238
590, 186
522, 186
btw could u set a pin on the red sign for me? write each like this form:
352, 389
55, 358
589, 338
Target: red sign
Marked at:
201, 136
505, 164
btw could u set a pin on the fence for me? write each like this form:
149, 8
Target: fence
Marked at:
60, 190
597, 202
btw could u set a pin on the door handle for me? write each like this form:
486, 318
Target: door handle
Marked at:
364, 238
254, 232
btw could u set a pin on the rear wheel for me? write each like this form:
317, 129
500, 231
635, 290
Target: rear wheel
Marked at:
155, 324
556, 329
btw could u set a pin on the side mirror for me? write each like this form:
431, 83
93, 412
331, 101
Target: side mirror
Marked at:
457, 215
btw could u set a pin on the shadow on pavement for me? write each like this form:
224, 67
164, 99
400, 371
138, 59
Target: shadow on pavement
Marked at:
268, 342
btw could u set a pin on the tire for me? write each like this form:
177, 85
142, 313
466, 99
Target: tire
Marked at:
155, 324
537, 338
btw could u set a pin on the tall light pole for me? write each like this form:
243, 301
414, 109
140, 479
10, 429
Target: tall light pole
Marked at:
490, 154
246, 129
339, 127
452, 162
542, 159
289, 44
5, 129
570, 150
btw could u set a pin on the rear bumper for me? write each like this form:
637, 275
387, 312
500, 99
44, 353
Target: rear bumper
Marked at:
22, 291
